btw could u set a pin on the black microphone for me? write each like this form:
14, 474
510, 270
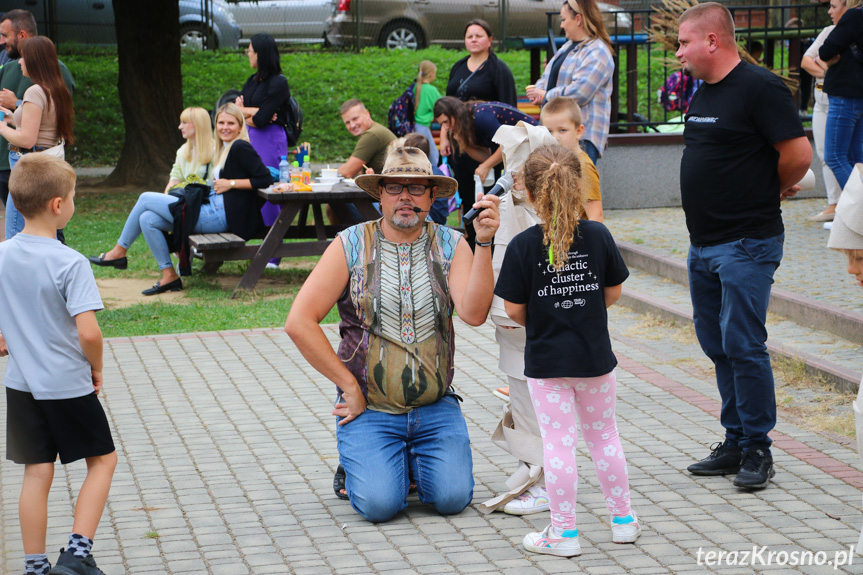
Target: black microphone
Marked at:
502, 186
419, 211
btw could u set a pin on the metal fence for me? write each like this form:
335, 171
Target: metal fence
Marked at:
780, 34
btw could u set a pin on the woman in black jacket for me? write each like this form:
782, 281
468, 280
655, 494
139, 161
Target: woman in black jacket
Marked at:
233, 204
264, 102
479, 76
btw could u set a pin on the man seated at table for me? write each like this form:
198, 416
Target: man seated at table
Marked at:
370, 150
397, 414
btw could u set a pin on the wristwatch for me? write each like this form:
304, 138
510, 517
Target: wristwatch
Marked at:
233, 183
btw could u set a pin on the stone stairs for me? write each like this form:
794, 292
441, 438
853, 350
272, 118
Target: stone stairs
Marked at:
826, 339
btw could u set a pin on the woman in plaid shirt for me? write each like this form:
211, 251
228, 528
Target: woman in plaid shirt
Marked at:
582, 69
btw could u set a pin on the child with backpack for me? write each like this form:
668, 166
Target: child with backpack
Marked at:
426, 96
557, 279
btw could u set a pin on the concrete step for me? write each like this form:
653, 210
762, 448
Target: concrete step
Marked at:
658, 286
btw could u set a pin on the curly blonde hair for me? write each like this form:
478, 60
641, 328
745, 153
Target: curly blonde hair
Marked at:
553, 178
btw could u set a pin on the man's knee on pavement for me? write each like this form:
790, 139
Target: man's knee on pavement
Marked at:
378, 505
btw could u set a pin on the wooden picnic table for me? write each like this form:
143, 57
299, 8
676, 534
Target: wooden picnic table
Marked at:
315, 238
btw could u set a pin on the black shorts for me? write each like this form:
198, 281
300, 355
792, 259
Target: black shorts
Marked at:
38, 430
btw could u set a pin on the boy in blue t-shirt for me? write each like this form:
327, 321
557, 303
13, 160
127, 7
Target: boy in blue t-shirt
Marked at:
48, 300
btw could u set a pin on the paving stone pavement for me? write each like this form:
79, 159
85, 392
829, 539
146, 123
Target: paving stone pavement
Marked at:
808, 267
227, 450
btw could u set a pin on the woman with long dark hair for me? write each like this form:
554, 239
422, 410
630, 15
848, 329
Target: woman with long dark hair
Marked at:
582, 69
471, 126
265, 106
43, 123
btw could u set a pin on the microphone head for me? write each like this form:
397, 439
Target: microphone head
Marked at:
505, 181
417, 210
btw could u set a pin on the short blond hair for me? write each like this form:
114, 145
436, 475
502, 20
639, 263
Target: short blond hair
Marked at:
563, 105
711, 17
36, 180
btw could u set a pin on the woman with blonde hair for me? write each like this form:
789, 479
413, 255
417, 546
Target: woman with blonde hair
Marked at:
582, 69
196, 154
231, 206
43, 123
557, 279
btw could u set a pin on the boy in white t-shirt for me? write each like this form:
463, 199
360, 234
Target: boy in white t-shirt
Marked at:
48, 300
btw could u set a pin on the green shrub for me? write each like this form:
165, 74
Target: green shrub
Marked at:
320, 80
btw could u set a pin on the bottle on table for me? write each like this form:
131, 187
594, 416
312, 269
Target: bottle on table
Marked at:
307, 172
284, 171
296, 174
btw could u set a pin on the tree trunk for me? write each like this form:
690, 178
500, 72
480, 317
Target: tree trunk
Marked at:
150, 84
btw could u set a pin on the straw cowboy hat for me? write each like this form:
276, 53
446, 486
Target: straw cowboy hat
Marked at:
847, 230
407, 163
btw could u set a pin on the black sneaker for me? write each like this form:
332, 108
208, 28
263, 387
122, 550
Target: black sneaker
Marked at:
756, 471
68, 564
723, 459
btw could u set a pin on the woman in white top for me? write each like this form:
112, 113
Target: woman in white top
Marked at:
44, 121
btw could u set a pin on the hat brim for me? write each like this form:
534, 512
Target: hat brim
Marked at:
842, 237
369, 183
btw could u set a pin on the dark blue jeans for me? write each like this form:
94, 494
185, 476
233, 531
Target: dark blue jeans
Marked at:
591, 150
730, 288
843, 136
377, 450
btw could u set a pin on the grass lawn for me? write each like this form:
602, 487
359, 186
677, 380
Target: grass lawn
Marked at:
206, 305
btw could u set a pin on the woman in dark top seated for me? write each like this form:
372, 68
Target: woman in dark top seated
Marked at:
233, 204
264, 102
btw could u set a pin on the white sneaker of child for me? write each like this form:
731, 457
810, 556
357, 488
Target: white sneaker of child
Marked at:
625, 529
550, 542
534, 500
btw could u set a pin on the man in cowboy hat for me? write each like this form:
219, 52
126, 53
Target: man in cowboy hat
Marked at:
397, 281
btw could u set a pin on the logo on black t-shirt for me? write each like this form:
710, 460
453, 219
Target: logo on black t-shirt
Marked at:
702, 119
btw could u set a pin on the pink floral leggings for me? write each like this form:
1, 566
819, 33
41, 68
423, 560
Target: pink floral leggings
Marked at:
556, 402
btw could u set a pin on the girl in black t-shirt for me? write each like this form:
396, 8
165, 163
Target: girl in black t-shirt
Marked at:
557, 279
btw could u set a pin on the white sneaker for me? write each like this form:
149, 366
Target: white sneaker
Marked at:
534, 500
272, 266
625, 529
550, 543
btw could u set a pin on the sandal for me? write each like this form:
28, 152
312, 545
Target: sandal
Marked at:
339, 482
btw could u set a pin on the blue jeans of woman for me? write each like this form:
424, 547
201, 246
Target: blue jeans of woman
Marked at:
377, 449
434, 153
591, 150
730, 289
14, 219
152, 217
843, 138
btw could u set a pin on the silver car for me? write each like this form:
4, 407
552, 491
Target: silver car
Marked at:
92, 22
295, 21
415, 24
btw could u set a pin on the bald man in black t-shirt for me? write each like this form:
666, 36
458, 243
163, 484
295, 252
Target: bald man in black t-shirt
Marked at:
745, 150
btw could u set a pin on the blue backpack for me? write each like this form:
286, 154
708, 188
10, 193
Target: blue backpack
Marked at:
400, 116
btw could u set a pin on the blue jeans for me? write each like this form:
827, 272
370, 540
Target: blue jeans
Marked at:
730, 289
591, 150
377, 450
843, 138
434, 153
152, 217
14, 219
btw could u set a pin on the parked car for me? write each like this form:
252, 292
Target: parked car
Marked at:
92, 22
415, 24
296, 21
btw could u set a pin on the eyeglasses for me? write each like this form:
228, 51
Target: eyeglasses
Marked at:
394, 189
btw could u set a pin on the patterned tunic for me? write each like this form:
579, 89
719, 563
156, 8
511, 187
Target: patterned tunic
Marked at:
396, 316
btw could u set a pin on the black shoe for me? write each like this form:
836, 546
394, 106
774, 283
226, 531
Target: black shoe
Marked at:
175, 285
723, 459
119, 263
339, 483
68, 564
756, 471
